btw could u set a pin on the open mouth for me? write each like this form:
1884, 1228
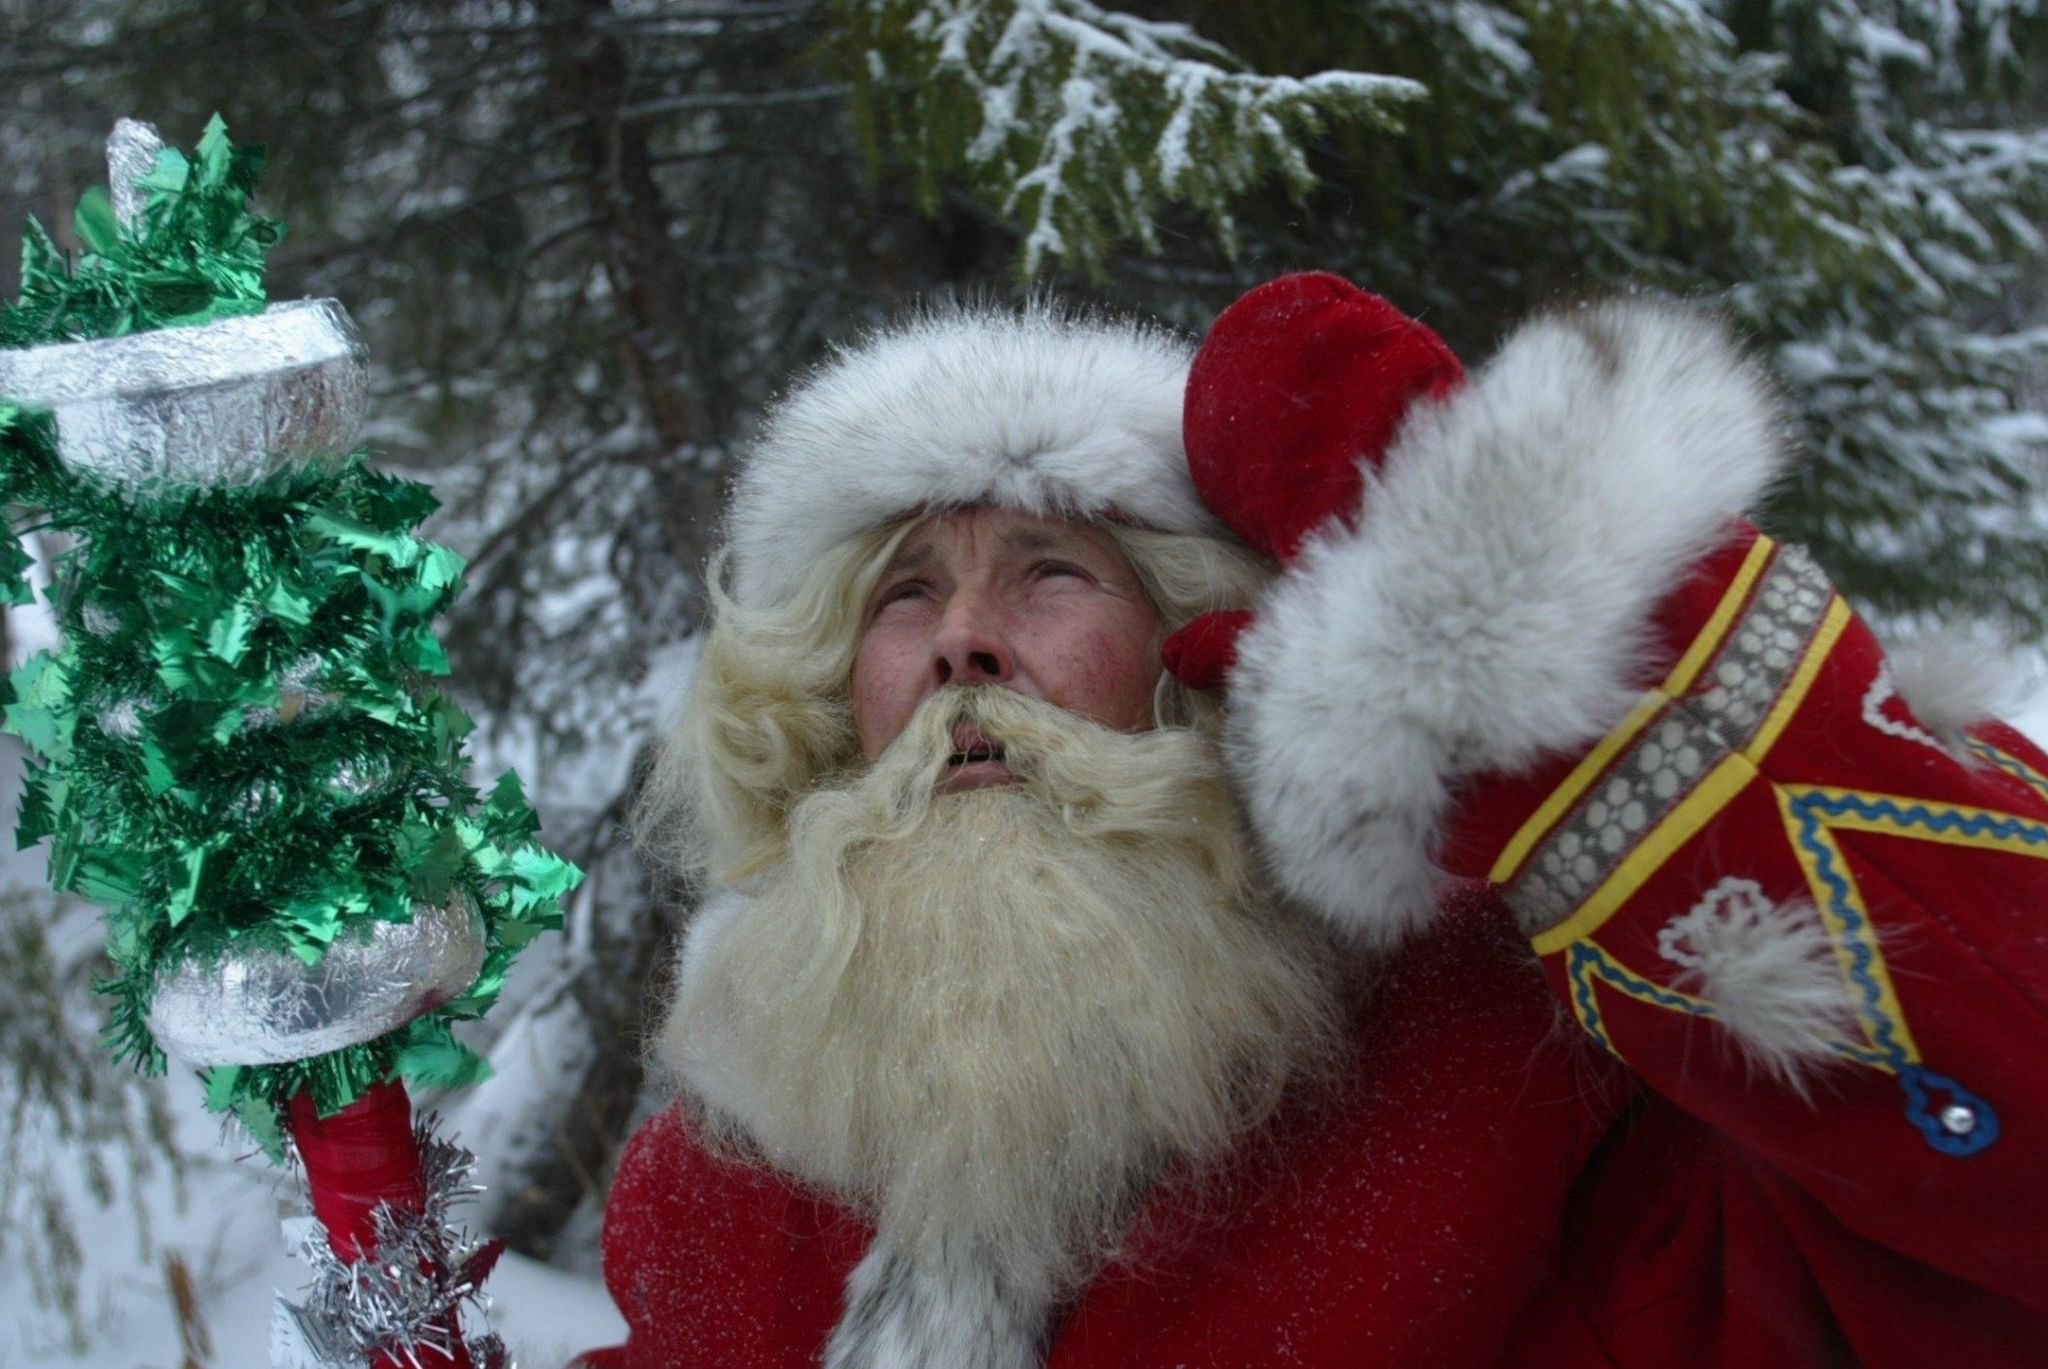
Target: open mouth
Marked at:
971, 747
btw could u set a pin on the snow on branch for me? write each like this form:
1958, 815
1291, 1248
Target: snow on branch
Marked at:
1078, 121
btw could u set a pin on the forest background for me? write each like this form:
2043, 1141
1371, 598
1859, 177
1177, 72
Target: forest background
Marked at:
588, 240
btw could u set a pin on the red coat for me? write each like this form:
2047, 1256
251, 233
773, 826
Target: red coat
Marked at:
1560, 1159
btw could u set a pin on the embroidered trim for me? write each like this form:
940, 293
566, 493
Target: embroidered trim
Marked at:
2010, 764
1952, 824
1841, 905
1811, 814
1882, 691
1741, 698
1560, 800
1587, 962
1685, 751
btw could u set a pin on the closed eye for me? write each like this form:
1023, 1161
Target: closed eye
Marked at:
900, 591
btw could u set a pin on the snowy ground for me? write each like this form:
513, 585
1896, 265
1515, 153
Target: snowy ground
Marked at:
227, 1233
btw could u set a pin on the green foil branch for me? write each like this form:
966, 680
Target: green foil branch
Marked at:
197, 254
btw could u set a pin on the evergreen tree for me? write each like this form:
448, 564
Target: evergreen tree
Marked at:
1926, 494
1074, 121
1862, 185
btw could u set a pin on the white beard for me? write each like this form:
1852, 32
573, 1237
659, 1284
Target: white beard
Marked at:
991, 1019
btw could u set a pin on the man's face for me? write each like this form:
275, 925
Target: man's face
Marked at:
1044, 606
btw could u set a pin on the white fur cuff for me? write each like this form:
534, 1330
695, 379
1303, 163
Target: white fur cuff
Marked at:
1493, 603
946, 1312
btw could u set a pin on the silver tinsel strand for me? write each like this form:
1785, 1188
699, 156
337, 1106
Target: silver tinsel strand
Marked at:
297, 696
400, 1300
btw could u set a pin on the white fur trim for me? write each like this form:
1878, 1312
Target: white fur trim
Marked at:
1770, 973
1038, 411
1493, 603
1951, 680
944, 1313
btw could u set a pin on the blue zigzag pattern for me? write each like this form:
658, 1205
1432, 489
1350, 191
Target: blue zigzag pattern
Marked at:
1921, 815
1916, 1080
1808, 808
2011, 765
1588, 961
1582, 956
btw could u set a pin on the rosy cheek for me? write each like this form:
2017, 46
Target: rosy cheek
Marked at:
1120, 679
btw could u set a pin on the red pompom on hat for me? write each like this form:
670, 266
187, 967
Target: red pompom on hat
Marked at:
1297, 385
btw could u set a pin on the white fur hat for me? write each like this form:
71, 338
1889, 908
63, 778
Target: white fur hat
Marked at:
1038, 410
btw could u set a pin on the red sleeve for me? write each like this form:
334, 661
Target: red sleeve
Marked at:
1772, 779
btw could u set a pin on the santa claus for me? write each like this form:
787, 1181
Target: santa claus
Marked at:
1524, 926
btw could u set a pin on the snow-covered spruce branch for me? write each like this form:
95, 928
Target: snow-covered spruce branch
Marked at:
1078, 121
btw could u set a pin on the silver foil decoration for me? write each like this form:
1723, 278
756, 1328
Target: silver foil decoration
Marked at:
297, 696
259, 1006
131, 155
360, 777
410, 1290
98, 621
226, 403
121, 718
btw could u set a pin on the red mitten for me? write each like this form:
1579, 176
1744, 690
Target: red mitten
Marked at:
1201, 654
1298, 385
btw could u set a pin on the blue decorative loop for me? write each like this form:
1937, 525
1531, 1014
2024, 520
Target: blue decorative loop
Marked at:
1980, 1127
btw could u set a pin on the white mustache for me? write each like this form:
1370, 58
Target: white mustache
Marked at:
1057, 753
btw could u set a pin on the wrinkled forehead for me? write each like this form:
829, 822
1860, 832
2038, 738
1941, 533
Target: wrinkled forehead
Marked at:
981, 530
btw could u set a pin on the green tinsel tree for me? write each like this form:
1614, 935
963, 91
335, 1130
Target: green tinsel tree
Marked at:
239, 749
